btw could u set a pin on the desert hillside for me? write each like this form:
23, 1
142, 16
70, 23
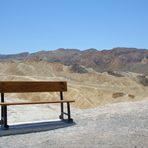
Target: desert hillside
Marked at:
119, 59
90, 89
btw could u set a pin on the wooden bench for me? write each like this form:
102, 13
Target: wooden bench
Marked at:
30, 87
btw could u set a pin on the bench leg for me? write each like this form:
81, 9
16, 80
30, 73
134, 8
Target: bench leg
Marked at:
4, 118
2, 100
1, 114
62, 110
68, 112
62, 107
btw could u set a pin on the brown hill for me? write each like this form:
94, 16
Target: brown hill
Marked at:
119, 59
88, 89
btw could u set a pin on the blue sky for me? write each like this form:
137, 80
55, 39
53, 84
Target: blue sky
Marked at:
33, 25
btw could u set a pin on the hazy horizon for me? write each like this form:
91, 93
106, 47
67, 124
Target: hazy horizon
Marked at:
27, 51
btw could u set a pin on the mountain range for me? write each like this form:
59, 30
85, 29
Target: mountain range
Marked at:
116, 59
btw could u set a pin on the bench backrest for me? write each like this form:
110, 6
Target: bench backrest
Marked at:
32, 86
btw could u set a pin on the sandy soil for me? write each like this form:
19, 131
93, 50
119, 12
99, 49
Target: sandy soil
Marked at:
116, 125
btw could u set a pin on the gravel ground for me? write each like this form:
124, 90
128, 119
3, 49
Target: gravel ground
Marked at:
120, 125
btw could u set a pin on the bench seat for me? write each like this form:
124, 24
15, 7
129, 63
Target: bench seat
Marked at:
36, 102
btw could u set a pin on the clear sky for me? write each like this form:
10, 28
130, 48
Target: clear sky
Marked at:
33, 25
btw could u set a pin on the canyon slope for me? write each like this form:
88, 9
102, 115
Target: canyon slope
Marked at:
119, 59
90, 89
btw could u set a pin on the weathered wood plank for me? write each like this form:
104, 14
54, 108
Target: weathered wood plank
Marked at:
32, 86
37, 102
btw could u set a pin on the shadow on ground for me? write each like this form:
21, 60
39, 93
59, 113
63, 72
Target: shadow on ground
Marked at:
34, 127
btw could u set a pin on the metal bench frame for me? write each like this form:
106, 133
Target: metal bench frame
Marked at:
4, 104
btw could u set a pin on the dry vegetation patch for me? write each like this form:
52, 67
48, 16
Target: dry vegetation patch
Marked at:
115, 73
78, 69
118, 94
143, 80
131, 96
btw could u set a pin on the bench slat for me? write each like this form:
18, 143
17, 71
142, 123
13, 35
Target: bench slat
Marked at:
32, 86
37, 102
